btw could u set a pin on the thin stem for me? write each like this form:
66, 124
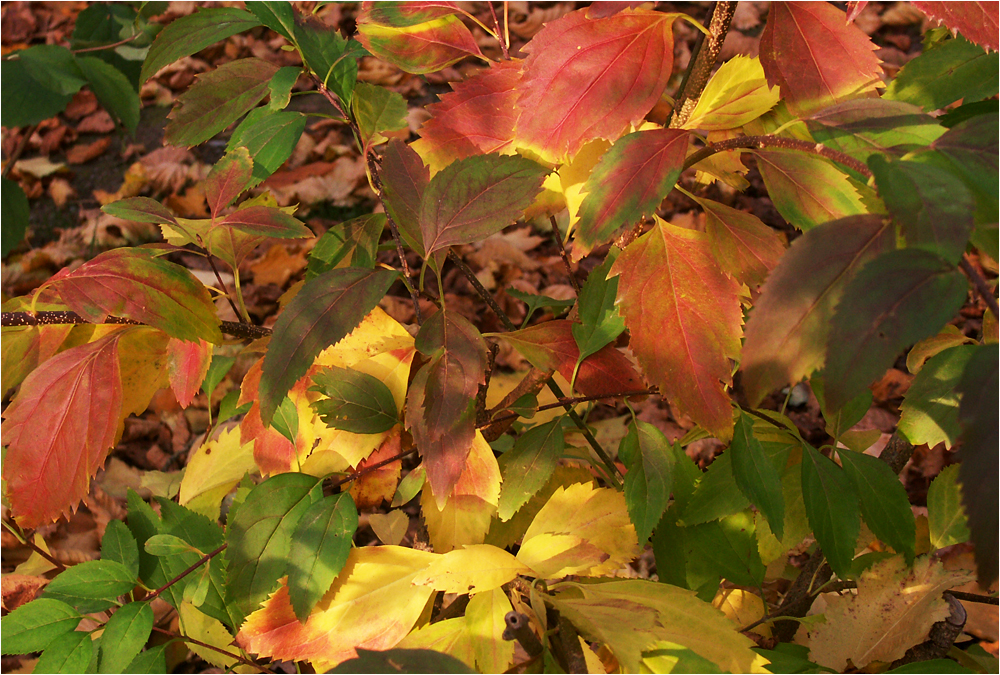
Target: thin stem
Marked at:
373, 467
218, 277
110, 46
706, 54
18, 151
204, 559
565, 256
770, 141
501, 40
975, 597
243, 313
30, 543
980, 283
481, 290
563, 402
184, 638
243, 331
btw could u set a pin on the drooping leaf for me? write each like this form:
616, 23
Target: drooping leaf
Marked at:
807, 190
17, 211
418, 42
629, 182
134, 284
92, 586
832, 508
141, 210
35, 625
377, 111
865, 126
590, 78
893, 301
529, 465
933, 207
757, 478
684, 317
59, 428
975, 20
816, 57
228, 179
789, 327
946, 517
647, 455
324, 311
125, 634
353, 243
319, 548
404, 180
884, 504
472, 569
954, 70
352, 614
736, 94
476, 197
745, 247
217, 99
270, 137
264, 221
113, 90
187, 365
355, 401
187, 35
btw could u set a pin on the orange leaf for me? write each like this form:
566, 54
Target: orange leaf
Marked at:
370, 489
187, 364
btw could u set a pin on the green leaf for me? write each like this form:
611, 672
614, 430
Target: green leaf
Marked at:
260, 538
895, 300
356, 401
839, 421
831, 507
528, 466
319, 547
278, 16
217, 99
724, 548
286, 420
217, 370
401, 661
946, 517
328, 55
119, 545
113, 90
280, 87
168, 544
866, 127
956, 69
929, 413
141, 210
54, 67
933, 207
152, 660
475, 197
884, 504
23, 100
269, 136
34, 626
190, 34
377, 111
647, 455
353, 243
756, 476
71, 653
716, 495
600, 323
125, 634
971, 150
325, 310
92, 586
103, 24
16, 213
536, 302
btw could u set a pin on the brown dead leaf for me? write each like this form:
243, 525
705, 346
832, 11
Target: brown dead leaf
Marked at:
84, 152
321, 181
84, 103
98, 123
168, 168
191, 204
277, 266
53, 138
892, 385
39, 167
60, 190
19, 589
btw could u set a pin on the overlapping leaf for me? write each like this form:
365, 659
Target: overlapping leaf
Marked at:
228, 179
884, 504
214, 468
745, 247
190, 34
929, 413
270, 137
684, 317
472, 569
326, 53
832, 508
758, 479
187, 364
404, 180
736, 94
940, 76
355, 401
863, 127
377, 111
319, 547
590, 78
529, 465
977, 21
141, 210
647, 455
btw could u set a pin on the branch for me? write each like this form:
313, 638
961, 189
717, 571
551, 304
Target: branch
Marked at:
368, 469
980, 283
562, 251
110, 46
706, 54
204, 559
563, 402
759, 142
243, 331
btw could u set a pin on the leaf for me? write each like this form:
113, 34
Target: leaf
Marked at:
424, 42
113, 90
868, 126
933, 208
758, 479
884, 503
351, 615
92, 586
946, 517
402, 661
379, 484
591, 78
716, 495
476, 197
645, 451
152, 660
788, 330
629, 615
35, 625
441, 400
214, 469
48, 465
264, 221
478, 117
723, 548
806, 189
473, 569
796, 525
355, 401
71, 654
893, 610
736, 94
685, 331
600, 323
325, 310
15, 205
228, 179
832, 508
390, 528
280, 87
629, 182
377, 111
581, 530
25, 101
404, 181
353, 243
746, 248
896, 299
929, 413
816, 57
978, 473
529, 465
975, 20
54, 67
484, 618
140, 210
950, 336
167, 544
217, 99
187, 365
260, 538
190, 34
326, 53
125, 634
270, 137
119, 545
940, 76
319, 548
134, 284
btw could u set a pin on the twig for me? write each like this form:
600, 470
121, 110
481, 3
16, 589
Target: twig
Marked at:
18, 151
501, 40
369, 469
204, 559
245, 661
481, 290
563, 402
565, 256
110, 46
218, 277
975, 597
759, 142
980, 283
706, 54
30, 543
243, 331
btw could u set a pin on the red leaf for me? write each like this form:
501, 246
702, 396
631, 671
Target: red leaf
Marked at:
591, 78
787, 332
979, 21
59, 429
272, 452
629, 181
420, 39
187, 364
404, 179
141, 210
745, 247
228, 179
684, 316
265, 221
816, 57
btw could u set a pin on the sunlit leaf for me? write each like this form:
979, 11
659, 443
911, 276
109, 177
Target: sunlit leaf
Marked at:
72, 653
213, 470
91, 586
484, 618
866, 126
645, 451
975, 20
951, 71
353, 243
736, 94
832, 508
884, 504
746, 248
529, 465
187, 365
421, 41
378, 484
377, 112
355, 401
950, 336
189, 34
319, 548
472, 569
946, 517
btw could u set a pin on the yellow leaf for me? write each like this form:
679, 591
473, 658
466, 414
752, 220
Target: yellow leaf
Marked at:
373, 604
485, 619
893, 610
198, 625
580, 530
736, 94
472, 569
450, 636
742, 608
465, 518
213, 470
390, 527
36, 564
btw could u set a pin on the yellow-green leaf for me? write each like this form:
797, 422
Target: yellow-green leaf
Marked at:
473, 569
736, 94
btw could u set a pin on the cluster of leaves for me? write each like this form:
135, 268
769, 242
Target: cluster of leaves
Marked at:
888, 199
